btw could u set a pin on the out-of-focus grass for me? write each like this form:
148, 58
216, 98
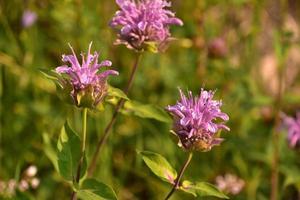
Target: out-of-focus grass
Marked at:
244, 77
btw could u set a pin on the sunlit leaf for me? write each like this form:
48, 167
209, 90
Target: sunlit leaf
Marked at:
116, 92
159, 166
202, 189
136, 108
50, 151
69, 153
147, 111
94, 190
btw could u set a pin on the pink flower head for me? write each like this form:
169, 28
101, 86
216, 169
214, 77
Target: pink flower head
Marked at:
293, 127
143, 22
194, 120
86, 82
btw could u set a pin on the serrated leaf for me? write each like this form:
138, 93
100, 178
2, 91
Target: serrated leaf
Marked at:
69, 153
116, 92
147, 111
94, 190
202, 189
159, 166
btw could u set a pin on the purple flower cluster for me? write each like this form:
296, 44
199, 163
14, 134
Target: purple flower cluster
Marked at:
88, 86
293, 127
143, 22
194, 120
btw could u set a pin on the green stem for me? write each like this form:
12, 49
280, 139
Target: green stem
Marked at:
119, 105
177, 180
84, 119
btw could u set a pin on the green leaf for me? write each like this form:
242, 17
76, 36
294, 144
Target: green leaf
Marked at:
292, 175
50, 74
147, 111
63, 87
116, 92
50, 151
136, 108
202, 189
159, 166
69, 153
94, 190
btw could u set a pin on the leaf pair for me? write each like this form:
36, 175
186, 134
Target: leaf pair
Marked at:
162, 168
68, 157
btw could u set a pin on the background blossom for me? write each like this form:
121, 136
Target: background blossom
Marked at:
29, 18
230, 183
293, 127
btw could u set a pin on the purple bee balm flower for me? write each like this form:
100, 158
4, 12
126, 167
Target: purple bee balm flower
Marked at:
86, 84
143, 23
28, 19
293, 127
194, 120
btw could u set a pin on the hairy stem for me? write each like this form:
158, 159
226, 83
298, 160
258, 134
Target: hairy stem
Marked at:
119, 105
177, 180
77, 178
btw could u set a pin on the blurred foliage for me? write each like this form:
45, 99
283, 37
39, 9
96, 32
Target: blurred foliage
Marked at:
261, 39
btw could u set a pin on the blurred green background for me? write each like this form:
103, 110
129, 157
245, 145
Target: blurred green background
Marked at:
237, 47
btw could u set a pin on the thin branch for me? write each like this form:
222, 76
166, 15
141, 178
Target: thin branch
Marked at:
119, 105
